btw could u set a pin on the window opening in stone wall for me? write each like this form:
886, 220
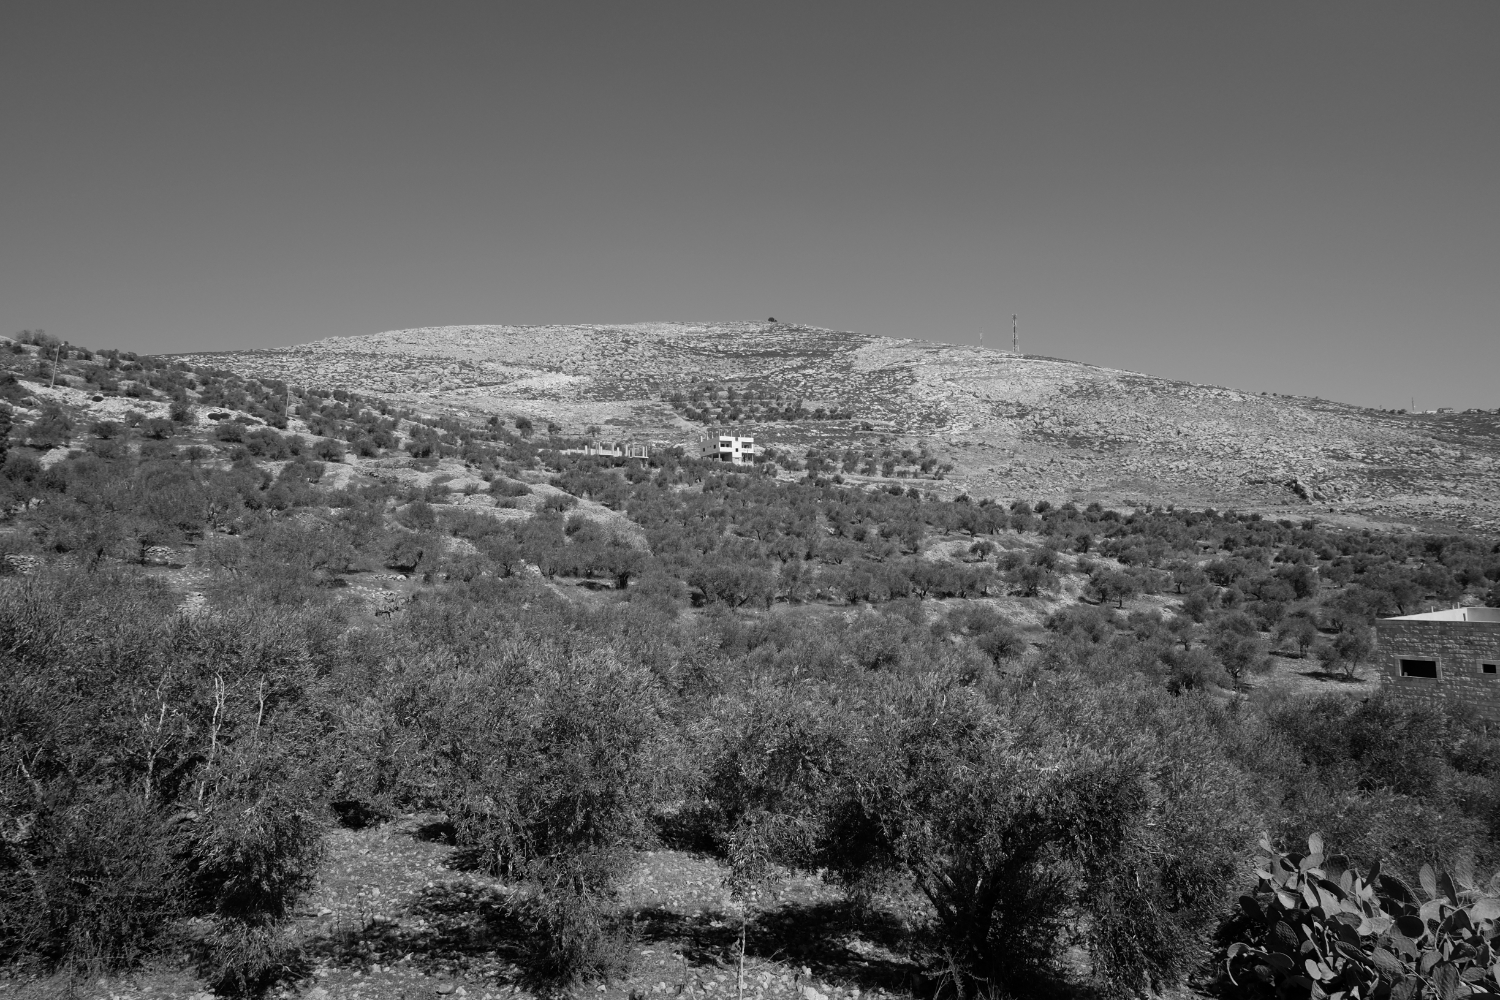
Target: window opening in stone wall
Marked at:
1419, 668
1490, 668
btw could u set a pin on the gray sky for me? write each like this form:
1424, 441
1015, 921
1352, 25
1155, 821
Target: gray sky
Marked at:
1290, 197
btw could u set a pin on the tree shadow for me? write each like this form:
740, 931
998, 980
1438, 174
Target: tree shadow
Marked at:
1329, 676
453, 924
839, 941
458, 924
439, 831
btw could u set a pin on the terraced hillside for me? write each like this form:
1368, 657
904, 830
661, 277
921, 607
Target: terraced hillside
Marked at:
1008, 426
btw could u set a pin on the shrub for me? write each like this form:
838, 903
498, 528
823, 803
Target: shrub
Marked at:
568, 937
418, 516
263, 442
1301, 632
161, 771
1350, 648
1193, 670
1093, 624
1002, 643
570, 771
114, 448
328, 450
1001, 920
1017, 824
150, 450
90, 883
248, 862
1033, 578
731, 583
1238, 646
550, 762
508, 488
49, 430
238, 959
1197, 604
660, 590
404, 554
1114, 585
621, 561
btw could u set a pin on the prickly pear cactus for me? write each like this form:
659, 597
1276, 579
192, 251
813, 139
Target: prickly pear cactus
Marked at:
1315, 927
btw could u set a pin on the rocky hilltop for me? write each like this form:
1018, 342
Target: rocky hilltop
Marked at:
995, 424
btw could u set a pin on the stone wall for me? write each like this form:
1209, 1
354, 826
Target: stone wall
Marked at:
1458, 647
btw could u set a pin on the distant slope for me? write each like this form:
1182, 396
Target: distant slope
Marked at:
1011, 426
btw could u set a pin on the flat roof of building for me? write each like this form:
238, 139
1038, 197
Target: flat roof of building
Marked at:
1453, 615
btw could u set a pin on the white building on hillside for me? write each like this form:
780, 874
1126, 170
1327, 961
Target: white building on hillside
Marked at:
730, 448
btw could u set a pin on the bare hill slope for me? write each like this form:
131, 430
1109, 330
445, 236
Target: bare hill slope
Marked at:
1009, 426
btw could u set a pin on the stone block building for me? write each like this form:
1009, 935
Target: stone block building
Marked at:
1442, 659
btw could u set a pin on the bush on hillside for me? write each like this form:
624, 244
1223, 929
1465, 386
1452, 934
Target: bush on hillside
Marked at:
1015, 828
153, 771
549, 763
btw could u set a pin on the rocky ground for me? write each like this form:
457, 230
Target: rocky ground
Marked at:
395, 916
1011, 426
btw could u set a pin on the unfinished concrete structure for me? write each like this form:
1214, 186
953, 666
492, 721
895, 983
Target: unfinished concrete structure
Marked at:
1443, 659
621, 449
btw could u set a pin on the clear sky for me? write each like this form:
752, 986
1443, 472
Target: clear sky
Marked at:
1295, 197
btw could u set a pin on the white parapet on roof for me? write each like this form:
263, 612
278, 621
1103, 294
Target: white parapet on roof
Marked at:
1491, 615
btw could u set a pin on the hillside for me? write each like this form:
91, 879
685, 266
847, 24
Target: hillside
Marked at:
1008, 426
304, 693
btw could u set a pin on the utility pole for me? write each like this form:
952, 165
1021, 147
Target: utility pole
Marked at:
1015, 334
56, 359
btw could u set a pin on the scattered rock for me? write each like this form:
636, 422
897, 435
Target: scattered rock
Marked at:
387, 602
23, 564
157, 555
